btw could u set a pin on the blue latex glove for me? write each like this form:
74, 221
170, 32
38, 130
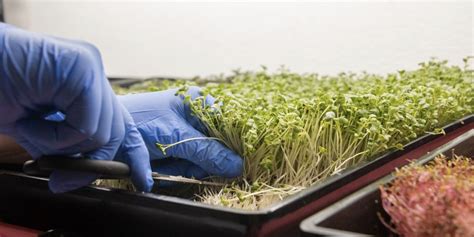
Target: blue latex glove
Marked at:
163, 117
42, 77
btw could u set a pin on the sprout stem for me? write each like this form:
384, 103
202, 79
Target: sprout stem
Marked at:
164, 147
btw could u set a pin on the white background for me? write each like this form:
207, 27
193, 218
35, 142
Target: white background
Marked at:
142, 39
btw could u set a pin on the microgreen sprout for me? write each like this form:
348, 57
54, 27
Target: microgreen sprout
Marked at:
164, 147
295, 130
436, 199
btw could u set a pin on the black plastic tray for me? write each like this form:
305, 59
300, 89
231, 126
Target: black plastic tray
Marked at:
26, 201
357, 214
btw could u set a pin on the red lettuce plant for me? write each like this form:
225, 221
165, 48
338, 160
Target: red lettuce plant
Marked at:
436, 199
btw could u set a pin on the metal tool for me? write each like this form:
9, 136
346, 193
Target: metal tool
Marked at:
107, 169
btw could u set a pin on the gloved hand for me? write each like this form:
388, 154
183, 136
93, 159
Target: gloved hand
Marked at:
41, 76
163, 117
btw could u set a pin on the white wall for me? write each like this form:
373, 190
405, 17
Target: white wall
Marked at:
186, 39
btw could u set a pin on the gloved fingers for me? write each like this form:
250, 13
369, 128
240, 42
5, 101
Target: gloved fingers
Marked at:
32, 150
115, 134
161, 118
63, 181
163, 129
96, 114
59, 181
86, 121
192, 119
75, 84
65, 138
209, 154
49, 134
135, 154
48, 73
196, 91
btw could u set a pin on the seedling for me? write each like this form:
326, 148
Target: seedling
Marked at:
432, 200
164, 147
295, 130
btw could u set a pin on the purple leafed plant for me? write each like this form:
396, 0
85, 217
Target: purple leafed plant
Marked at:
436, 199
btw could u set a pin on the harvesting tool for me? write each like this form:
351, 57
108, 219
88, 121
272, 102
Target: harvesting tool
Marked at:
107, 169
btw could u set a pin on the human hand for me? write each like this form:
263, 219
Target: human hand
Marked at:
163, 117
43, 78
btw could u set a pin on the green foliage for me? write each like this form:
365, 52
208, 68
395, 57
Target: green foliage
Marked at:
296, 130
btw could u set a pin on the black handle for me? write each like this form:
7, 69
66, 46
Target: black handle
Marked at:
108, 169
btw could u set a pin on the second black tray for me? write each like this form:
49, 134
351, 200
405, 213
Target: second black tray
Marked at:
358, 213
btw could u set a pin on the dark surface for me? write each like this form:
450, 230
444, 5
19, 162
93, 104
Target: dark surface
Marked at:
93, 212
359, 217
358, 214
